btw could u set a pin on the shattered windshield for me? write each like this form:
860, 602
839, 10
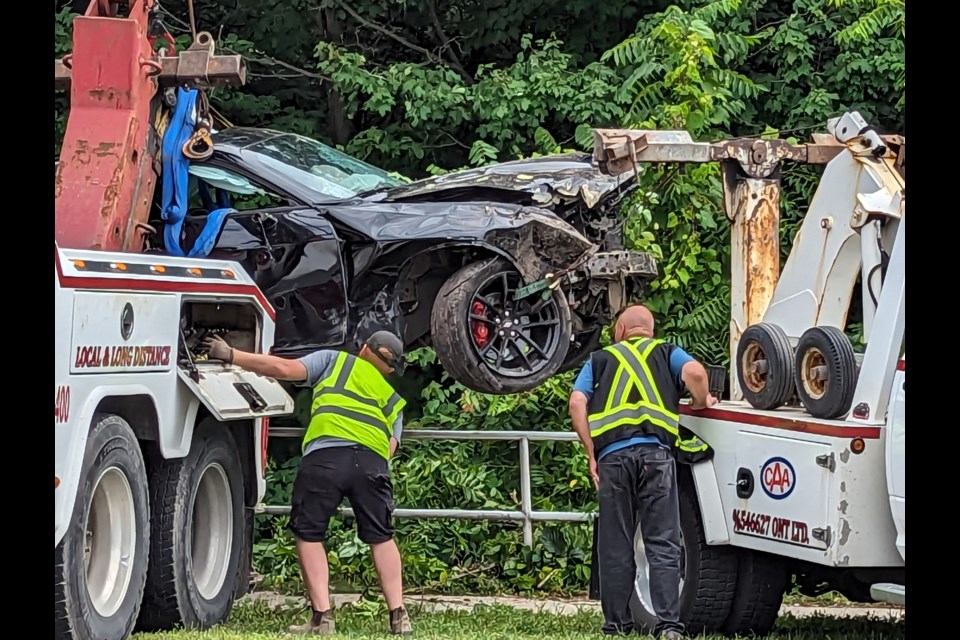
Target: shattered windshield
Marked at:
319, 167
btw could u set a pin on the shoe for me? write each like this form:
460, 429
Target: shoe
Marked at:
320, 624
622, 632
400, 622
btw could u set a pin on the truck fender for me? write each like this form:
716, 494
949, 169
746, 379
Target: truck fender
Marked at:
176, 438
711, 506
66, 493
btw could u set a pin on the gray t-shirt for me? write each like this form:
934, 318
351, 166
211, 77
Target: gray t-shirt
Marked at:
319, 365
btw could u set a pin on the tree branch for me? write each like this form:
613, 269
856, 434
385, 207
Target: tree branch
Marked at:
447, 44
271, 61
397, 37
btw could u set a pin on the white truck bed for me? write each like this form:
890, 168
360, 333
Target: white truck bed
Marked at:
784, 418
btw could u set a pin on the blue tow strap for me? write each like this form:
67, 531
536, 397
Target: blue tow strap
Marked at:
175, 182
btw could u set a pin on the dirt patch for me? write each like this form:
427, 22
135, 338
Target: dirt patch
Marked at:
562, 607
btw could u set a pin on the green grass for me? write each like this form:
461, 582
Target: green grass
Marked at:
368, 620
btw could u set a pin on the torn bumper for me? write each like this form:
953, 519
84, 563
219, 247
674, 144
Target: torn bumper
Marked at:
614, 264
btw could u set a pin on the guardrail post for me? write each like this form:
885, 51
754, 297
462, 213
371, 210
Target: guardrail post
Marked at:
526, 501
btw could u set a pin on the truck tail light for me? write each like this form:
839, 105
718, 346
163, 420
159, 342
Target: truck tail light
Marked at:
264, 439
902, 366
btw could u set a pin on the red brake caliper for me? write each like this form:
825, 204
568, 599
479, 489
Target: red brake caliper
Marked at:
481, 332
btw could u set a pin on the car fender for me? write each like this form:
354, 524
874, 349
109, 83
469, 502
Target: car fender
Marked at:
459, 244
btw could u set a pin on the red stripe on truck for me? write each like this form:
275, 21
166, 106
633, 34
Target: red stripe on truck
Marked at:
166, 286
787, 424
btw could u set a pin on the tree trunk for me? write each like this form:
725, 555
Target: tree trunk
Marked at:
340, 128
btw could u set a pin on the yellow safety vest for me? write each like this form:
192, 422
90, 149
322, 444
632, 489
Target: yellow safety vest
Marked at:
648, 415
355, 402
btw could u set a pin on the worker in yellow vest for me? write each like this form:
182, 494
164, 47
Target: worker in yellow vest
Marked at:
625, 408
354, 430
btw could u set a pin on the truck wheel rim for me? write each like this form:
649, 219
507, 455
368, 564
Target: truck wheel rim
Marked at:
110, 540
212, 538
513, 338
814, 373
754, 367
642, 582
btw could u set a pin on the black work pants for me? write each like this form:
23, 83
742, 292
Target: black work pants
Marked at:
638, 486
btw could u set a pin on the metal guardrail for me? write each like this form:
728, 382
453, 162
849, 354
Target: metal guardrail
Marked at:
526, 515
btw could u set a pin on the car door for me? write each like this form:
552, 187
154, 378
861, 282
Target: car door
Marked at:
294, 255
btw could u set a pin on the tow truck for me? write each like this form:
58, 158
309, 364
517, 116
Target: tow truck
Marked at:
807, 479
160, 455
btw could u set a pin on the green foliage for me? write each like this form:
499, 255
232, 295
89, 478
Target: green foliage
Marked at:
426, 88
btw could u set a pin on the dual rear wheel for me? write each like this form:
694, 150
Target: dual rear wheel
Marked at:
153, 544
723, 590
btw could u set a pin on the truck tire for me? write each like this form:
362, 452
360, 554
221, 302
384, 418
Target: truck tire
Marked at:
826, 372
709, 575
765, 366
100, 567
761, 582
466, 322
198, 525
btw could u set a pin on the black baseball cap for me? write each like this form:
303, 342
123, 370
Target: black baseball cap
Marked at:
385, 341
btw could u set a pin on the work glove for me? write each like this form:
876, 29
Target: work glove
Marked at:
218, 349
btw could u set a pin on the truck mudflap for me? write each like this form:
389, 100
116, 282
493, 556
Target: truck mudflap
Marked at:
230, 393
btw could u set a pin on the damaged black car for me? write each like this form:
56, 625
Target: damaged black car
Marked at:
509, 271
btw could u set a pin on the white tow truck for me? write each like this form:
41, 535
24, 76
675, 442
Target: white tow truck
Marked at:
808, 476
160, 455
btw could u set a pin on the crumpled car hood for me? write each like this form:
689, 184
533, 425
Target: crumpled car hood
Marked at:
543, 182
535, 239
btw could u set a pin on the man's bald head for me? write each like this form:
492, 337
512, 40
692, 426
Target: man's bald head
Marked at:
635, 321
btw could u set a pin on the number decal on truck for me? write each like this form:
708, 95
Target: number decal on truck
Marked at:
61, 404
762, 525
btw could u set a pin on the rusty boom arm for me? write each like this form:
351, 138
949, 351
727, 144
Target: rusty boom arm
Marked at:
751, 188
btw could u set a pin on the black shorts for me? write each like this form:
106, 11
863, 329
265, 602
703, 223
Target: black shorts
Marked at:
326, 477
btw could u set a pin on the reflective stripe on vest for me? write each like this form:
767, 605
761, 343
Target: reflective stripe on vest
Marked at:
355, 403
634, 373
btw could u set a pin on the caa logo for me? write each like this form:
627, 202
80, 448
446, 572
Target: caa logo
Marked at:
777, 478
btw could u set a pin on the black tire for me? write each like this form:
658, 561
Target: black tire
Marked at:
245, 566
832, 396
112, 464
189, 503
458, 351
709, 575
767, 345
761, 582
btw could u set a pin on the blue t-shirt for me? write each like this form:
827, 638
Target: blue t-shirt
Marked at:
584, 384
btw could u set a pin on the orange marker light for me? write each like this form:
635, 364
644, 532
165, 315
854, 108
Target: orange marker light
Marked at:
858, 445
56, 482
119, 266
79, 264
227, 273
158, 268
195, 271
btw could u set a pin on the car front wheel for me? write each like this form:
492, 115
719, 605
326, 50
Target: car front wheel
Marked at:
489, 341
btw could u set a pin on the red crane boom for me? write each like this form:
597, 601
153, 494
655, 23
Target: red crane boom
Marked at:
109, 160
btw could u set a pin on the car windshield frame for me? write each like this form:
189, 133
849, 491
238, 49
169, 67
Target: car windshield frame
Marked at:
307, 165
